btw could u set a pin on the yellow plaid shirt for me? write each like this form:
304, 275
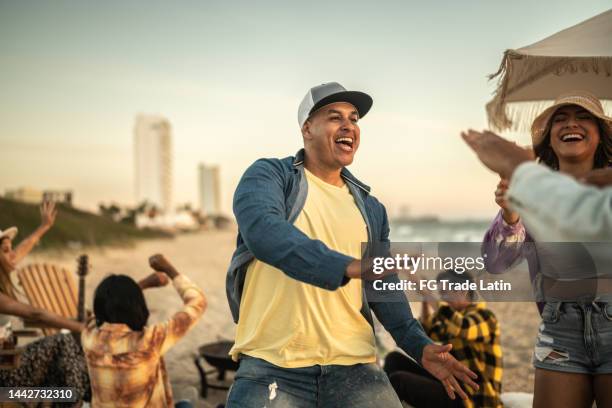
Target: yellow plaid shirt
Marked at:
126, 367
475, 335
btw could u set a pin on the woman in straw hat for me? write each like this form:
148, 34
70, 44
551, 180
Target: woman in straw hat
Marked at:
573, 352
12, 256
53, 360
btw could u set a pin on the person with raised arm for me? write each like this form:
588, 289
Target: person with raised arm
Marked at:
124, 354
542, 204
55, 360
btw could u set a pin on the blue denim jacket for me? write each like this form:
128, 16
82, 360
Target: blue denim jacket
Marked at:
267, 201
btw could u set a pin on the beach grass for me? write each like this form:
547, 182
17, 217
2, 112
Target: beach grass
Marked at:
73, 227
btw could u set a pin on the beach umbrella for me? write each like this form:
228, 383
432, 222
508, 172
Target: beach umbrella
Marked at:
531, 77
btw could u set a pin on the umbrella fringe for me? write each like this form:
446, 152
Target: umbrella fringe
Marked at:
501, 117
520, 115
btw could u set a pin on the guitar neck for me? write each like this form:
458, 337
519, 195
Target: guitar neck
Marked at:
82, 272
81, 306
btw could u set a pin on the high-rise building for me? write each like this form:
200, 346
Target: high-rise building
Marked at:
153, 161
209, 189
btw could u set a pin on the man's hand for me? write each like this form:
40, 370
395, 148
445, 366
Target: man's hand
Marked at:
599, 177
363, 269
154, 280
159, 263
442, 365
497, 153
353, 270
48, 212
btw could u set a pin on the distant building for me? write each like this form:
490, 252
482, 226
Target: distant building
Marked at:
35, 196
171, 222
209, 187
153, 161
25, 194
64, 197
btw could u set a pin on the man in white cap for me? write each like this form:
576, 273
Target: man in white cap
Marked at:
305, 334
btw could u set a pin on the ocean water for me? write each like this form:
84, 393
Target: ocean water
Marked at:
432, 229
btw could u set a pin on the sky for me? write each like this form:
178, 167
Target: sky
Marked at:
229, 76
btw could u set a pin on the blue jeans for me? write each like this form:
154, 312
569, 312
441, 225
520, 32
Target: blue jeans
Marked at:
575, 337
260, 384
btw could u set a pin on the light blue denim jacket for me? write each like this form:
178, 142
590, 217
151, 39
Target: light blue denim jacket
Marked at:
267, 201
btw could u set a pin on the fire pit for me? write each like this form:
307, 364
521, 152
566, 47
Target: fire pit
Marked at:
216, 355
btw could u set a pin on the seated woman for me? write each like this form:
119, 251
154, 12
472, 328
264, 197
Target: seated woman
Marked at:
53, 360
124, 355
473, 331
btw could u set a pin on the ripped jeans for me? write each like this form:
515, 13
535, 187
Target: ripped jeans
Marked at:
575, 337
259, 384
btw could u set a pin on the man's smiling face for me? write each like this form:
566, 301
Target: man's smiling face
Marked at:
332, 134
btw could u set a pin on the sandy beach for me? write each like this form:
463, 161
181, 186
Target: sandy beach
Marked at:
204, 257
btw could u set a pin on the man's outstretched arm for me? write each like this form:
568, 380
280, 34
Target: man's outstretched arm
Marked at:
393, 311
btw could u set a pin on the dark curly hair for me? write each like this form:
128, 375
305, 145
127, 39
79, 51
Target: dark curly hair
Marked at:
603, 154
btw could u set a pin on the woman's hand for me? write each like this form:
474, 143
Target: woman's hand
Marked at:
598, 178
497, 153
511, 217
48, 212
442, 365
159, 263
154, 280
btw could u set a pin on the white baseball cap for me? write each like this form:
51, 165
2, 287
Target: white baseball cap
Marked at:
332, 92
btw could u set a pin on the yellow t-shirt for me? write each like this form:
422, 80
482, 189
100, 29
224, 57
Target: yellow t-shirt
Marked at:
294, 324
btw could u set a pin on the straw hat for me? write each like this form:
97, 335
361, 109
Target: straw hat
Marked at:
588, 101
11, 233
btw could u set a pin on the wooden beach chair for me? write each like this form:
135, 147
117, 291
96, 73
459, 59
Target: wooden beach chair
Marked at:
45, 287
54, 289
9, 357
10, 351
50, 288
